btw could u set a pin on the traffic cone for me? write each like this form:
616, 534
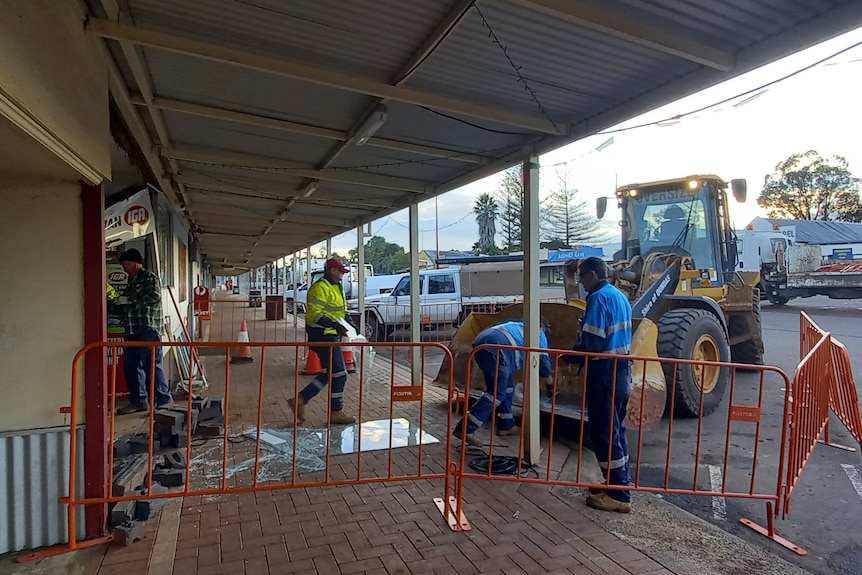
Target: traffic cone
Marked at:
312, 364
349, 361
242, 353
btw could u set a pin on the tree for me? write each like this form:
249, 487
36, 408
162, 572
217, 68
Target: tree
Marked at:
511, 196
567, 221
386, 257
486, 210
810, 187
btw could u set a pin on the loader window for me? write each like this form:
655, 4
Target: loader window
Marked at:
661, 220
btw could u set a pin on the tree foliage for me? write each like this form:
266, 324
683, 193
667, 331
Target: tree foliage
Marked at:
511, 197
810, 187
386, 257
567, 221
486, 209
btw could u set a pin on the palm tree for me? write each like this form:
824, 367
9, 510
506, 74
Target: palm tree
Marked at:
486, 210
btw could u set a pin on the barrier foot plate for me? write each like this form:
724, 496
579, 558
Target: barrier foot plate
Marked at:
60, 549
455, 524
775, 537
836, 445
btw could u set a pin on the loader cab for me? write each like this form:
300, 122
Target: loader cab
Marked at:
686, 217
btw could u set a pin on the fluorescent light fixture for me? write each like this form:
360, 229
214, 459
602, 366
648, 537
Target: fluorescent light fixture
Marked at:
312, 187
370, 125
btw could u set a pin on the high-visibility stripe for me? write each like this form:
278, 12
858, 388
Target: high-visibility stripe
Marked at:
595, 330
615, 463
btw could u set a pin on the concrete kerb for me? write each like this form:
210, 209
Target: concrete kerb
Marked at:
684, 543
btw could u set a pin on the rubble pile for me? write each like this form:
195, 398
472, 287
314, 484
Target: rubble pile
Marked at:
171, 429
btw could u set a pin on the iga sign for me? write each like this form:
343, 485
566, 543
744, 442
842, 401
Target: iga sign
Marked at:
137, 215
129, 219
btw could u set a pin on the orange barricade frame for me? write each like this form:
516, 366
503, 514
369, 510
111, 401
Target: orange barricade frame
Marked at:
823, 379
397, 394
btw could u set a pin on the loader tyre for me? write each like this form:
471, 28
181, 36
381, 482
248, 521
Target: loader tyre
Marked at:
694, 334
749, 351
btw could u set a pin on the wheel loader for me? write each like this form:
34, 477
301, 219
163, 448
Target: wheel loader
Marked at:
676, 265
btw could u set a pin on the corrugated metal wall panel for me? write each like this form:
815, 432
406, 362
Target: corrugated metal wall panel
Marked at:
34, 472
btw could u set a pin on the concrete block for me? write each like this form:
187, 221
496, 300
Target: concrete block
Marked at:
175, 460
122, 448
129, 474
179, 440
122, 512
141, 444
207, 429
128, 533
200, 403
169, 477
214, 409
169, 417
146, 508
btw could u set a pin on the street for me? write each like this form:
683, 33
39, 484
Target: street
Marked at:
827, 502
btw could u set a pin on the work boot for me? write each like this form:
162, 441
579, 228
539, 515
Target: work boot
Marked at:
596, 490
470, 439
341, 418
298, 407
133, 408
605, 502
511, 431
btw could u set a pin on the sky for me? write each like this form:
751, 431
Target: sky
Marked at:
817, 109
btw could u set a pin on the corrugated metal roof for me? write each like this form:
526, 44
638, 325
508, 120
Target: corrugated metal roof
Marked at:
818, 232
322, 64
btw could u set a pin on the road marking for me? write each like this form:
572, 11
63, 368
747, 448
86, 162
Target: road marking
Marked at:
719, 503
853, 476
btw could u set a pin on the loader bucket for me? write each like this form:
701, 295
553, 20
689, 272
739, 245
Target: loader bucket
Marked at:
564, 320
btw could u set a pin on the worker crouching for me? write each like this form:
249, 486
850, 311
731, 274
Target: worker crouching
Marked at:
498, 366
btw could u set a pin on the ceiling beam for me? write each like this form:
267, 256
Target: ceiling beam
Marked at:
612, 22
273, 194
252, 162
337, 80
303, 129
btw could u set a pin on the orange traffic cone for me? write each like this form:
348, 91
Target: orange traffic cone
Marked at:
242, 353
312, 364
349, 361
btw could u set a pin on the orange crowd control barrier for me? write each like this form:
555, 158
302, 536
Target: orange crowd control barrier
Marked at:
254, 438
669, 457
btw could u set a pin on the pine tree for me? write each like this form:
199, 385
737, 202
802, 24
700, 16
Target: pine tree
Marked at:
511, 197
566, 220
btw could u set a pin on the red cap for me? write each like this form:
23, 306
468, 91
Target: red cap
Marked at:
336, 263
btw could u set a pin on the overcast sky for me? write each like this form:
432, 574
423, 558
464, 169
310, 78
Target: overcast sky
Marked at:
818, 109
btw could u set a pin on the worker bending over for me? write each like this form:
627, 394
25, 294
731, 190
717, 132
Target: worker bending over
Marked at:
498, 366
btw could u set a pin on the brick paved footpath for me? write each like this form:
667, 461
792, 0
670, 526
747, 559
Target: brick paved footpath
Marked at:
390, 528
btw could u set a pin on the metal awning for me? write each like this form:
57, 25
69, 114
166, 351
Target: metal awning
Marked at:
274, 125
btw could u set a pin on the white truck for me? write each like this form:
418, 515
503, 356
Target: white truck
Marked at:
346, 282
791, 269
446, 297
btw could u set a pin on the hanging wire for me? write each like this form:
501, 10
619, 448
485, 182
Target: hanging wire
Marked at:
517, 69
743, 94
449, 225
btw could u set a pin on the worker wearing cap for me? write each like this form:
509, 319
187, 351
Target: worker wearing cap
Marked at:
141, 304
326, 313
498, 364
606, 327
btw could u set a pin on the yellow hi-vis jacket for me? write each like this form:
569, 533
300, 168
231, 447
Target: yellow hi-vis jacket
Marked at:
324, 306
